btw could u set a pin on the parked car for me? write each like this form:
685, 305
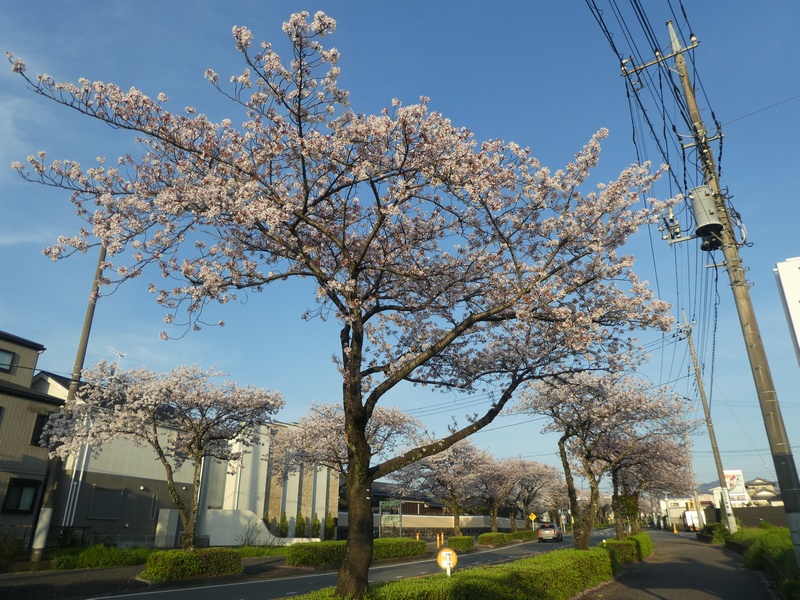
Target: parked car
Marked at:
550, 531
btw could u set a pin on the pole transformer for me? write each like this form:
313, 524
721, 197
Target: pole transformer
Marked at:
723, 238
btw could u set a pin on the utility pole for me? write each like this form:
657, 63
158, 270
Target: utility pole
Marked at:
724, 239
45, 515
725, 500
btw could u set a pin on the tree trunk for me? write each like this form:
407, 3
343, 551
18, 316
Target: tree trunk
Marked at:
615, 506
493, 517
353, 581
512, 519
456, 518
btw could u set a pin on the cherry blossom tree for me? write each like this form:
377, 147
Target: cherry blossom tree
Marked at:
446, 261
591, 413
538, 487
495, 481
183, 415
659, 463
319, 437
452, 476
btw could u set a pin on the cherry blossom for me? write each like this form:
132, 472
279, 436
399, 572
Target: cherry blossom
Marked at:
600, 419
447, 261
182, 416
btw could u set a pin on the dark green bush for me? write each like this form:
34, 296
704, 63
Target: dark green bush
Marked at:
315, 554
398, 548
330, 527
558, 575
315, 526
644, 544
621, 552
525, 534
718, 532
99, 557
320, 554
774, 543
300, 526
11, 548
494, 539
283, 527
170, 565
771, 542
461, 542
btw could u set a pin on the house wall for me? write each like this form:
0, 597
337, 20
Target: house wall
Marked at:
22, 464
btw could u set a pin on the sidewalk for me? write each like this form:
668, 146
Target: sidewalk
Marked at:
681, 568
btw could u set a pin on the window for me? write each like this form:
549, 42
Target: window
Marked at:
38, 427
6, 360
21, 496
105, 504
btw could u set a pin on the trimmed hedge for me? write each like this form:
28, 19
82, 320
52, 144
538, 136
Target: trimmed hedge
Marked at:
321, 554
525, 534
461, 542
644, 544
621, 552
99, 557
169, 565
558, 575
494, 539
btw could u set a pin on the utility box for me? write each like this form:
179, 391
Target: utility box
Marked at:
706, 218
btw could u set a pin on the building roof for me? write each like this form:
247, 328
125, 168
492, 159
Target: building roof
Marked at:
12, 389
4, 335
758, 481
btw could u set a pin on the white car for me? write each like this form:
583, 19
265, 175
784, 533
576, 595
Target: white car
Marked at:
549, 531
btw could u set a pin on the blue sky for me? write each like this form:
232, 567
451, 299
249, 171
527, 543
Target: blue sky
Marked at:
539, 73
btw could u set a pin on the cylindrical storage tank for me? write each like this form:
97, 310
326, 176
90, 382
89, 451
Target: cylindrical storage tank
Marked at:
705, 212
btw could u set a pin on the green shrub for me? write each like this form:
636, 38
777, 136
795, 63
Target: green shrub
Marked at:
494, 539
300, 526
384, 548
170, 565
315, 526
558, 575
718, 532
621, 552
99, 557
315, 554
461, 542
283, 527
644, 544
771, 542
774, 543
320, 554
11, 548
525, 534
330, 527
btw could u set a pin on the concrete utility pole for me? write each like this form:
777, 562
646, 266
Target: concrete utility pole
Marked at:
45, 515
724, 239
725, 498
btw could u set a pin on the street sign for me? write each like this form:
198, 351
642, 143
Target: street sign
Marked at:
447, 559
532, 517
